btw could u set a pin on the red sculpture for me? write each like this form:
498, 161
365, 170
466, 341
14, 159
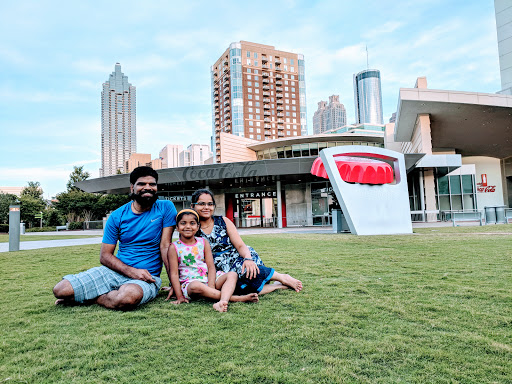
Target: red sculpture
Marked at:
357, 170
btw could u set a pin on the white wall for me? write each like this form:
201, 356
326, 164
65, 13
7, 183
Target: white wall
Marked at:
490, 167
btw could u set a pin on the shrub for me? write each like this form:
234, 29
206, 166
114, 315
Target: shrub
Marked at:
41, 229
4, 228
76, 225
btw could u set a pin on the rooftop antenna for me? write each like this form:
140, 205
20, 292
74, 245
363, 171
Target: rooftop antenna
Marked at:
367, 65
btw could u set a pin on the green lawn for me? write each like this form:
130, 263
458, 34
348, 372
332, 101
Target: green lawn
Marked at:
435, 307
5, 238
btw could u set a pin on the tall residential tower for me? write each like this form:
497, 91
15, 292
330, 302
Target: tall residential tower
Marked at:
258, 93
117, 123
368, 97
329, 116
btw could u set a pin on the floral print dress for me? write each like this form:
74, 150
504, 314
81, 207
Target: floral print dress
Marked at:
191, 263
225, 255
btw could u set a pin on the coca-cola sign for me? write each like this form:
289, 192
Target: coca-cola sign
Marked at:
482, 187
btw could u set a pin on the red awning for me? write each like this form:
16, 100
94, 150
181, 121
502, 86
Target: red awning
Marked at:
357, 170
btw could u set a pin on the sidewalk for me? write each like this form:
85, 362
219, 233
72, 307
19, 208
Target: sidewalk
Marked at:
28, 245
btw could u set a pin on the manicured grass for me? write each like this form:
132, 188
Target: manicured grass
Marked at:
5, 238
427, 308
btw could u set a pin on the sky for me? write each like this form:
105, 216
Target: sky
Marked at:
55, 55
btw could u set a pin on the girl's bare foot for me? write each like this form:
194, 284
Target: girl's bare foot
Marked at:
221, 306
250, 298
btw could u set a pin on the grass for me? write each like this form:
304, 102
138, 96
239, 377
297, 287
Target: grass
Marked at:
5, 238
435, 307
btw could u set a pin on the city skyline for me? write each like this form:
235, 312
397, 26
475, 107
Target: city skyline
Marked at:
49, 86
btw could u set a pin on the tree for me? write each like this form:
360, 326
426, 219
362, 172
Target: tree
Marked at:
29, 207
77, 175
33, 190
75, 204
6, 199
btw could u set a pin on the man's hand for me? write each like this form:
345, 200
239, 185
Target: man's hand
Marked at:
141, 274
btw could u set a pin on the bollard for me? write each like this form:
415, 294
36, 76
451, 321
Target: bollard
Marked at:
14, 228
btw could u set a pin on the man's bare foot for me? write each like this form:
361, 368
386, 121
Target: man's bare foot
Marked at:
292, 282
250, 298
64, 302
221, 306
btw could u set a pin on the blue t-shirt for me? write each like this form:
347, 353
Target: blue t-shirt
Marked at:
139, 235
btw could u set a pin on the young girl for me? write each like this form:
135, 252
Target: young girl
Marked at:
192, 268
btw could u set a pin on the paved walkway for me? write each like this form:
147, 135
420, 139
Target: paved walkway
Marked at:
27, 245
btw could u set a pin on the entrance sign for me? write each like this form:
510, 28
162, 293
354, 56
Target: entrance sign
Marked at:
376, 202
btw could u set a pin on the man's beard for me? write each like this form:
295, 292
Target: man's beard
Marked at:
145, 201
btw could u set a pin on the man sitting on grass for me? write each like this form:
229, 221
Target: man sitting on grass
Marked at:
143, 229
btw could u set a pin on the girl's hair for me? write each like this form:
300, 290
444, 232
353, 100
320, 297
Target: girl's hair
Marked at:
199, 192
184, 212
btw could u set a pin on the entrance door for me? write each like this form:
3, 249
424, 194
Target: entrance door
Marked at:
256, 212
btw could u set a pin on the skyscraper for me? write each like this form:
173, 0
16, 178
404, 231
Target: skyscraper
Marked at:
258, 92
117, 123
368, 97
329, 116
503, 13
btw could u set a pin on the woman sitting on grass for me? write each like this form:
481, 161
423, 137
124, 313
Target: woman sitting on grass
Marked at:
192, 271
230, 254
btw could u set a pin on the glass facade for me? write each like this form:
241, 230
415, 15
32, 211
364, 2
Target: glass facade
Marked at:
455, 192
368, 97
237, 101
302, 95
306, 149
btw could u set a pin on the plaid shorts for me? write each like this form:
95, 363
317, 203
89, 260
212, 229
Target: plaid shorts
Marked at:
97, 281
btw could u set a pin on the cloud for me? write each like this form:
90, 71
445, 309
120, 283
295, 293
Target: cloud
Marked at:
8, 94
383, 29
13, 57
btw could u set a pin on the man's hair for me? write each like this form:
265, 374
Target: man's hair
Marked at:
142, 172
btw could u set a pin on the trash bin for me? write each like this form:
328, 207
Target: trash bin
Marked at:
490, 215
500, 214
339, 224
22, 228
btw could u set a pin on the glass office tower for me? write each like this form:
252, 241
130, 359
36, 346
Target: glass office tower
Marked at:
368, 97
118, 140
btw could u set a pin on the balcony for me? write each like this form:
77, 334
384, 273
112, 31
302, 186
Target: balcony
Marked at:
265, 80
217, 122
226, 69
226, 90
279, 94
279, 89
280, 121
280, 127
266, 87
225, 84
280, 108
279, 102
266, 113
267, 126
217, 117
216, 92
266, 106
264, 66
266, 100
279, 76
280, 134
279, 83
227, 121
265, 74
278, 68
226, 102
216, 99
265, 93
268, 133
266, 120
264, 59
216, 86
278, 61
280, 114
227, 116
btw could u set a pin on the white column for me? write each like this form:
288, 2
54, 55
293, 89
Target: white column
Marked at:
279, 206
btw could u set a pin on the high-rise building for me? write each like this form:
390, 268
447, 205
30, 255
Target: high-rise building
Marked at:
503, 12
329, 116
368, 97
173, 155
141, 159
118, 140
258, 92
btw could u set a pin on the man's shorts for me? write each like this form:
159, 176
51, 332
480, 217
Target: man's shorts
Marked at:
97, 281
255, 285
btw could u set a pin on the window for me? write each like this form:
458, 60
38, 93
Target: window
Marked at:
251, 129
248, 61
292, 69
249, 77
250, 109
249, 89
249, 97
257, 90
256, 72
285, 67
258, 117
249, 70
258, 124
255, 63
257, 110
248, 54
251, 122
255, 55
251, 116
256, 84
284, 60
257, 103
256, 78
249, 103
291, 61
249, 83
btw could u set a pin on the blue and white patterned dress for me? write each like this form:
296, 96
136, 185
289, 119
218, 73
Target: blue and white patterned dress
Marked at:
225, 255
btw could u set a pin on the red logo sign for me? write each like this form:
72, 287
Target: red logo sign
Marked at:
483, 187
484, 180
